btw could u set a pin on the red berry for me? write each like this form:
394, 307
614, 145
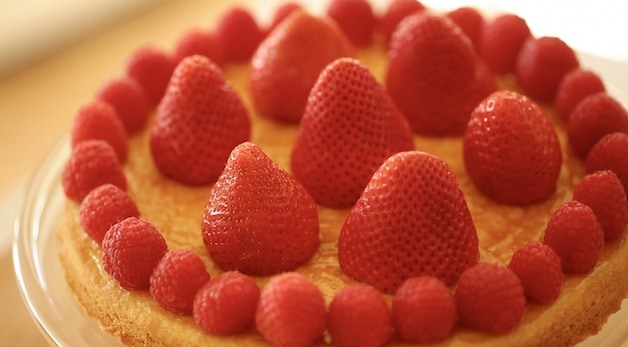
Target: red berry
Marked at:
359, 316
538, 267
98, 120
604, 193
238, 34
541, 65
282, 12
226, 304
91, 164
490, 297
103, 207
470, 20
202, 42
411, 220
349, 106
423, 310
355, 18
396, 12
131, 250
176, 279
511, 150
291, 311
577, 237
127, 96
501, 40
610, 153
152, 69
596, 115
573, 88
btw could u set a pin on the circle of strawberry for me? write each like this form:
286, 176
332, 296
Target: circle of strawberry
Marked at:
511, 150
412, 219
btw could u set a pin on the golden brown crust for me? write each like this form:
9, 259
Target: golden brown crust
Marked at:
132, 316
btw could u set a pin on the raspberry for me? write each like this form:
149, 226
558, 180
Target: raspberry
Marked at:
130, 101
130, 251
291, 311
610, 153
538, 268
423, 310
98, 120
604, 193
176, 279
226, 304
355, 18
238, 34
577, 237
103, 207
282, 12
470, 20
202, 42
91, 164
396, 11
500, 42
541, 65
575, 86
151, 68
490, 297
359, 316
595, 116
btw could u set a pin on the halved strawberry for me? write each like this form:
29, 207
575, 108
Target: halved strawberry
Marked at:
350, 126
200, 120
259, 219
288, 62
411, 220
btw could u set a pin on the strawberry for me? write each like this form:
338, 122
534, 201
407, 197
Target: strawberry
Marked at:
423, 310
596, 115
604, 193
411, 220
199, 121
575, 234
355, 18
359, 316
259, 219
151, 68
610, 153
470, 20
131, 250
396, 11
434, 75
103, 207
176, 279
575, 86
238, 34
91, 164
202, 42
291, 311
226, 305
511, 150
541, 65
130, 101
490, 297
501, 40
282, 12
98, 120
288, 62
349, 106
538, 267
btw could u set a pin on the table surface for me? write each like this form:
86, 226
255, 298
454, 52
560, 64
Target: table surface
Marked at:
38, 103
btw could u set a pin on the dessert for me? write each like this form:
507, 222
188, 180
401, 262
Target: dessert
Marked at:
176, 210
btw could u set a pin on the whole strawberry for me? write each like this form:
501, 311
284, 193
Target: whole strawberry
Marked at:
291, 311
511, 150
131, 250
349, 106
490, 297
610, 153
423, 310
288, 62
434, 75
199, 121
575, 234
91, 164
411, 220
176, 279
259, 219
538, 267
359, 316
